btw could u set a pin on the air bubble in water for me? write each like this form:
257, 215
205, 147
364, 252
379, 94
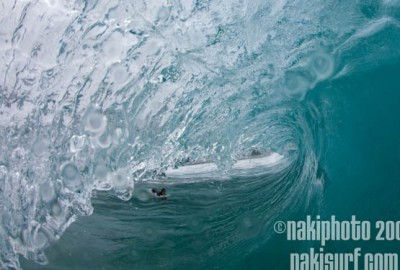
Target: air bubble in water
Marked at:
95, 122
71, 176
77, 143
322, 64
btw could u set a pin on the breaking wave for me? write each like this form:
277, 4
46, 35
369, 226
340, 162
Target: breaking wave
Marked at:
107, 95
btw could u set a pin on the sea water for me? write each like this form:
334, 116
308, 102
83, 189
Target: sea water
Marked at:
99, 99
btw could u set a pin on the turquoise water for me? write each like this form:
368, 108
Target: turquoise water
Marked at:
100, 99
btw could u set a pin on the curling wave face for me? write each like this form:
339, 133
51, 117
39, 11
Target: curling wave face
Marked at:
103, 95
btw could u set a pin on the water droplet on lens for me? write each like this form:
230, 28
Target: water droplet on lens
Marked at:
71, 176
3, 173
77, 143
296, 84
134, 254
122, 184
118, 136
196, 224
103, 140
103, 185
95, 122
101, 171
249, 226
323, 65
39, 147
169, 244
56, 209
119, 180
143, 194
163, 13
39, 239
47, 192
150, 235
40, 258
70, 171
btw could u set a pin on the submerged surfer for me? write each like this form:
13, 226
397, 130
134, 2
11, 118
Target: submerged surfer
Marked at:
162, 192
